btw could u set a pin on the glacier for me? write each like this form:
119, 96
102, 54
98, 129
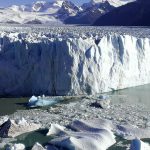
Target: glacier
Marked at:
36, 64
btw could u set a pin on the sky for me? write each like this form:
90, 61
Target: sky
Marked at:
5, 3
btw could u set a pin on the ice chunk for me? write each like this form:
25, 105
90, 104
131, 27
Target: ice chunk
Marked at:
131, 132
21, 121
22, 126
16, 147
103, 97
55, 129
88, 136
38, 146
33, 99
43, 101
137, 144
4, 129
88, 125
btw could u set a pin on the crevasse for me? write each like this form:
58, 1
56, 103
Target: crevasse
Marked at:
73, 66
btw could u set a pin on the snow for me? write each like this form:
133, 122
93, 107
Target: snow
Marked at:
115, 3
43, 12
118, 3
40, 12
16, 16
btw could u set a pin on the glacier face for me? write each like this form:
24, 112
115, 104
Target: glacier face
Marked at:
72, 66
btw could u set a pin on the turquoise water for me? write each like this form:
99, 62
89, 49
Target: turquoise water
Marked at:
135, 95
29, 139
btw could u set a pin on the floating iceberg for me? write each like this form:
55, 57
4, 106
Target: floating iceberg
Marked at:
103, 97
43, 101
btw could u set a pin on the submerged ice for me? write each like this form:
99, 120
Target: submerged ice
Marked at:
39, 64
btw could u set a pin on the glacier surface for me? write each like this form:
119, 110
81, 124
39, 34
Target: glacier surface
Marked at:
41, 63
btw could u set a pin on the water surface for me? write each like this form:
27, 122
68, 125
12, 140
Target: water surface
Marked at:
136, 95
10, 105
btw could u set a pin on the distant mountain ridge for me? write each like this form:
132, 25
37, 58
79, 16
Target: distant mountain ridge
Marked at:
58, 11
133, 14
90, 12
40, 12
94, 9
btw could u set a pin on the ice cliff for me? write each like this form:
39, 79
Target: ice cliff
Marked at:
71, 66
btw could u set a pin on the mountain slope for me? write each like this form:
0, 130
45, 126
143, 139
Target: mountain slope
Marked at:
94, 9
40, 12
59, 11
90, 12
132, 14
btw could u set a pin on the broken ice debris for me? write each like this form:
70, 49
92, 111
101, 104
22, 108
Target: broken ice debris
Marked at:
102, 101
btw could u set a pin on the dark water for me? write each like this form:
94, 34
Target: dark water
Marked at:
29, 139
124, 144
10, 105
136, 95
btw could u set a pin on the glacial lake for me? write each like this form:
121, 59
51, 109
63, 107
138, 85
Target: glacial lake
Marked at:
135, 95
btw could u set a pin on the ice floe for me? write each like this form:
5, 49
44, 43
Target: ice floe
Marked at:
42, 101
89, 136
18, 127
131, 132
